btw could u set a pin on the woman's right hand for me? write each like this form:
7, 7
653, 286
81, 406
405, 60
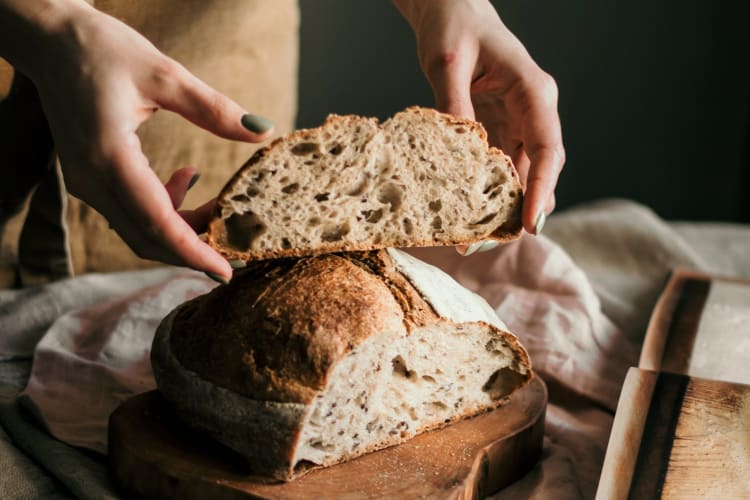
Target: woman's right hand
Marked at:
98, 80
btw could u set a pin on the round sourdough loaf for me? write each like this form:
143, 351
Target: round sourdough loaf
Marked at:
307, 362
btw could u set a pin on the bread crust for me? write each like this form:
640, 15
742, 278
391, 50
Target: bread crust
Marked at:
217, 235
247, 360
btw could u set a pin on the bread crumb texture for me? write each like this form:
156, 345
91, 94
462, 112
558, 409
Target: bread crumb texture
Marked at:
301, 363
422, 178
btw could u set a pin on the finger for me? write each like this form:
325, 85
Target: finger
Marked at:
199, 218
179, 183
450, 75
192, 98
543, 146
143, 197
540, 185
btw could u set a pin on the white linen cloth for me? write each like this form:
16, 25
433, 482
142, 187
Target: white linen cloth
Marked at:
581, 318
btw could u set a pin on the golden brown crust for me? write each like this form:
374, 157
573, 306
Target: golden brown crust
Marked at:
271, 338
275, 331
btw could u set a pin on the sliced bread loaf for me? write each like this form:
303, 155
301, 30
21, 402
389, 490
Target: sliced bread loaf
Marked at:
302, 363
422, 178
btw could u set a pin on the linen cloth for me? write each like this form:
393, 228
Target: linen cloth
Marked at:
578, 298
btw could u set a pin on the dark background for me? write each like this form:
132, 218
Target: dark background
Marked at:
654, 96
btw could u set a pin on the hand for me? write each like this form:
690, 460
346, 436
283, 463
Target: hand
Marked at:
98, 80
478, 69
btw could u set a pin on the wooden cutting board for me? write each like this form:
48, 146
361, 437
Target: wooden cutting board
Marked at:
153, 455
682, 426
700, 327
676, 436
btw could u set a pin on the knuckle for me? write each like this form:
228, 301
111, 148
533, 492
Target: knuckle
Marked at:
437, 64
166, 72
217, 106
547, 87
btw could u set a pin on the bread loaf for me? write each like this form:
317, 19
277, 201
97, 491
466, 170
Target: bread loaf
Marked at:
422, 178
306, 362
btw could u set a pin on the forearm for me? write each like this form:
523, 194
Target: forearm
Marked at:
29, 29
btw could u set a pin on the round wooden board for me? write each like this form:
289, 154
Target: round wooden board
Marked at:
153, 455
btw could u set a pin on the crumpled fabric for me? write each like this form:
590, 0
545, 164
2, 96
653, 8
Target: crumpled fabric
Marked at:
92, 359
578, 298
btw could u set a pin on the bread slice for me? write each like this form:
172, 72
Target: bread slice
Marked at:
422, 178
302, 363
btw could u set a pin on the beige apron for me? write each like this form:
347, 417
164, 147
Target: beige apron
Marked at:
246, 49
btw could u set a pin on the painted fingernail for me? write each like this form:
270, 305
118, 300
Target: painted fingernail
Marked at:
237, 263
541, 218
203, 237
217, 278
193, 180
255, 123
487, 245
471, 249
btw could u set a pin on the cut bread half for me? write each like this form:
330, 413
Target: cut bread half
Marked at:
303, 363
422, 178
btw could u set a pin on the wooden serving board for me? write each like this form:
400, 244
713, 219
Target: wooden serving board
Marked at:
153, 455
700, 327
679, 437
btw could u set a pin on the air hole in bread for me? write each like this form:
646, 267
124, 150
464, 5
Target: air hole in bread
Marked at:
305, 148
429, 379
241, 198
320, 197
484, 220
408, 226
502, 382
285, 244
437, 223
400, 369
439, 405
359, 187
336, 149
243, 229
313, 221
460, 130
390, 194
334, 233
372, 216
252, 191
322, 446
291, 188
435, 205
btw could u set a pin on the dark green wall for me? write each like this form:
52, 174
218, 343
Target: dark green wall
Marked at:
654, 96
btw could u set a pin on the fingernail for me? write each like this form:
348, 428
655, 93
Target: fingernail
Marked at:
541, 218
487, 245
193, 180
217, 278
472, 248
255, 123
237, 263
203, 237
